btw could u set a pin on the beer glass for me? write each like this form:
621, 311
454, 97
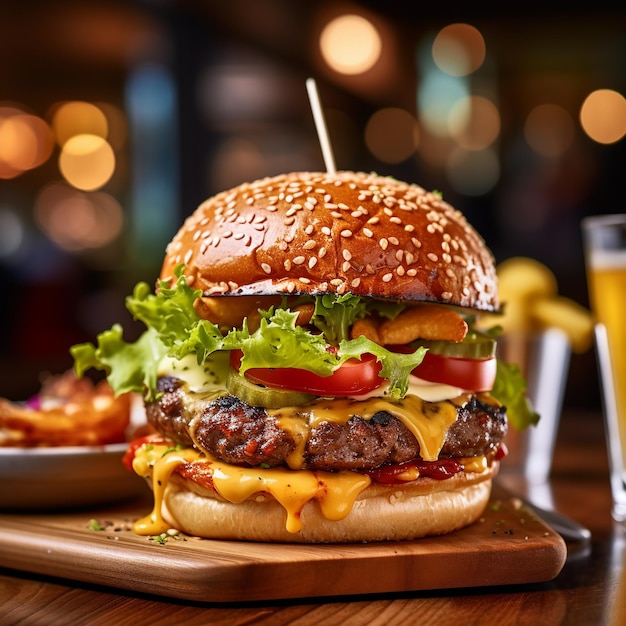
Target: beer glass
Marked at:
604, 240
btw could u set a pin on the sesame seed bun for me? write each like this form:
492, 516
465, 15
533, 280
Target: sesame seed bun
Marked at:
315, 233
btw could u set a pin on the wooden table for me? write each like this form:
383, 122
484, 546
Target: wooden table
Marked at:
591, 588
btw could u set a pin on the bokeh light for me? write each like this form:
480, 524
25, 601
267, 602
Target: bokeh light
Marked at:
78, 118
549, 130
87, 162
603, 116
474, 122
350, 44
459, 49
438, 95
76, 220
25, 142
392, 135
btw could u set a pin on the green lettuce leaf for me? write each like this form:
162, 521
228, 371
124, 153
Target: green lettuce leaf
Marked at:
510, 390
174, 329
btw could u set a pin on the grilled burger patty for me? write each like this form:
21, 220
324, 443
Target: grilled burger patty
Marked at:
234, 432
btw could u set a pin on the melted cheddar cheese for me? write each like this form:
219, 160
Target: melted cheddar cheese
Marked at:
335, 492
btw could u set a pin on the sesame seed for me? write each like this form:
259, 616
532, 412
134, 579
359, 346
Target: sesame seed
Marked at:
387, 277
446, 295
346, 254
266, 268
383, 243
227, 234
346, 266
395, 220
411, 272
367, 232
312, 262
394, 241
309, 229
335, 282
239, 236
336, 214
409, 228
322, 252
287, 264
310, 244
346, 233
289, 220
433, 257
400, 270
326, 230
304, 279
299, 260
355, 283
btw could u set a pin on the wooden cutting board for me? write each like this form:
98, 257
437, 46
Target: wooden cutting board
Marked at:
508, 545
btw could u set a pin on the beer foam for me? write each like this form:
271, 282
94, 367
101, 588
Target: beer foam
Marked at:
607, 259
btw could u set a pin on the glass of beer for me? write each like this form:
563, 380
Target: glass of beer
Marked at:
604, 239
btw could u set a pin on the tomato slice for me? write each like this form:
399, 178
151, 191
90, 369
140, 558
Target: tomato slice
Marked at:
468, 374
354, 377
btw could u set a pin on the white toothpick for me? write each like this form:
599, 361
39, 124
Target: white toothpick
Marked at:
320, 125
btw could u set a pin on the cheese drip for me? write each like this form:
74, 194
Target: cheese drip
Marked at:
335, 492
428, 421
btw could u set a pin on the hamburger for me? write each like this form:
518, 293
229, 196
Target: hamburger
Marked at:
311, 366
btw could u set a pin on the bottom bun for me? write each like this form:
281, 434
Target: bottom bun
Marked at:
380, 513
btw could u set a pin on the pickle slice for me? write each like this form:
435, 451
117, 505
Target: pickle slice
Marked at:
475, 345
257, 395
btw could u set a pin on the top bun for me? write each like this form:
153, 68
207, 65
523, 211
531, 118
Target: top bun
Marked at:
316, 233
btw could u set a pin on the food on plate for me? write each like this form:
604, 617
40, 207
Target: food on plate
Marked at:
312, 366
531, 303
66, 412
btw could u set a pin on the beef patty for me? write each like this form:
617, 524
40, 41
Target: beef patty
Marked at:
234, 432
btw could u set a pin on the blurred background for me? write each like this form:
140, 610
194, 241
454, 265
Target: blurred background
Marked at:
117, 118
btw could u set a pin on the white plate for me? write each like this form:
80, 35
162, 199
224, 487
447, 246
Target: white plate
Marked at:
66, 477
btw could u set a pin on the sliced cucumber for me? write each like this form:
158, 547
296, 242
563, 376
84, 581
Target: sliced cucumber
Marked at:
256, 395
475, 345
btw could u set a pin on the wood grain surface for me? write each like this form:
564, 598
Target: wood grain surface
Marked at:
508, 545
